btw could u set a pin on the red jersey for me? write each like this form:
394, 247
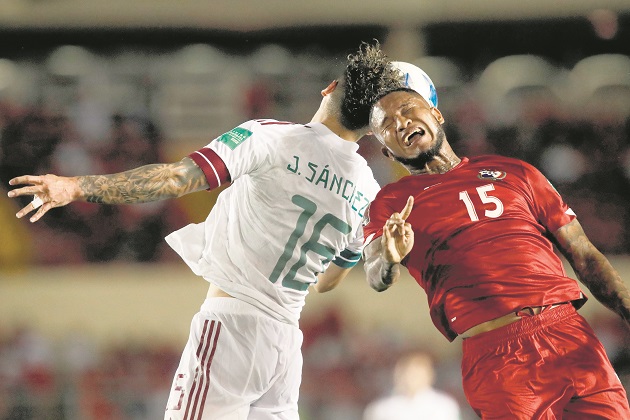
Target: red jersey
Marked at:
482, 247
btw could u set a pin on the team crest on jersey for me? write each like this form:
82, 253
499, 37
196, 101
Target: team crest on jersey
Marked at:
491, 175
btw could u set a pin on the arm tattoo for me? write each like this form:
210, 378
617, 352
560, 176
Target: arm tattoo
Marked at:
144, 184
593, 269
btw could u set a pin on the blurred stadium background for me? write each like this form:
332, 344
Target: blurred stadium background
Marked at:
95, 309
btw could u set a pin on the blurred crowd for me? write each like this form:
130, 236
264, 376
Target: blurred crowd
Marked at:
38, 141
345, 370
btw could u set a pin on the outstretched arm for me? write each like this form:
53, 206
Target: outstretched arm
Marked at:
140, 185
330, 278
593, 269
383, 257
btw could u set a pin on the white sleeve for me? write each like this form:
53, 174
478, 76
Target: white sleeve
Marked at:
350, 256
244, 149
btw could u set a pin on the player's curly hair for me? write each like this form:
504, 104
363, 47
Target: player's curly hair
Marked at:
368, 75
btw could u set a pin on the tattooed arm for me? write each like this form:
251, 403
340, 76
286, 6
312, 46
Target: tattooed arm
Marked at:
593, 269
141, 185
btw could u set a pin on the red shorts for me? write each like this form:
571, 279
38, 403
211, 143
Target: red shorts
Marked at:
546, 366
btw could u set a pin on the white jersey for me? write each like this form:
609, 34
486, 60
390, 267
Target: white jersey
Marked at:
296, 203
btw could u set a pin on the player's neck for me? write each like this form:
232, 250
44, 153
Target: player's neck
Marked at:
440, 164
335, 126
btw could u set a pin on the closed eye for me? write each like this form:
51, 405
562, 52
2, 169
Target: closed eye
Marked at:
385, 125
406, 108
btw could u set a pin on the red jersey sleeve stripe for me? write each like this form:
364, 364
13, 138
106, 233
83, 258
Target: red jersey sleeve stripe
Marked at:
212, 166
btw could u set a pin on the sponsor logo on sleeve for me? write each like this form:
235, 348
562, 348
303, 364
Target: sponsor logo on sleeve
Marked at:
235, 137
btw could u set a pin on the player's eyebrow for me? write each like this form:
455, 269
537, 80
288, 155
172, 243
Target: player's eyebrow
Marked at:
385, 119
406, 104
403, 105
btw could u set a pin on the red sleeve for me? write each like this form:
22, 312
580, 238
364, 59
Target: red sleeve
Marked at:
212, 166
549, 207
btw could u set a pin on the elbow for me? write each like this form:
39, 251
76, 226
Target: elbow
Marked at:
320, 289
379, 279
378, 285
324, 286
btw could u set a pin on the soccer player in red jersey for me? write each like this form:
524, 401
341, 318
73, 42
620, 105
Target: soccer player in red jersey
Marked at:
478, 235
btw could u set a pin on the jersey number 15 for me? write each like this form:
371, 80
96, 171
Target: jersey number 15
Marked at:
486, 199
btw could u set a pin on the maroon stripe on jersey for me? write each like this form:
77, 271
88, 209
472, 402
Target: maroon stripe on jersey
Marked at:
208, 364
271, 122
212, 166
202, 343
207, 341
192, 390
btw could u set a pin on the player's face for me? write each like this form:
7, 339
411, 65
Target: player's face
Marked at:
408, 127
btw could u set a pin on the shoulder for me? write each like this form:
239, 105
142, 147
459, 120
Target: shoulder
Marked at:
391, 196
264, 131
271, 125
496, 160
393, 189
275, 130
503, 163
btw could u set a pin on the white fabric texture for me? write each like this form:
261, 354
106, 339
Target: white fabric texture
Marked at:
297, 200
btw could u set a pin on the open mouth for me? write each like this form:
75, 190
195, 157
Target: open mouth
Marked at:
414, 136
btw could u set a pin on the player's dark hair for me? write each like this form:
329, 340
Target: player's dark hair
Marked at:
368, 75
395, 89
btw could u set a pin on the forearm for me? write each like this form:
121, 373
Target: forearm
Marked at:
141, 185
593, 269
330, 279
381, 274
605, 283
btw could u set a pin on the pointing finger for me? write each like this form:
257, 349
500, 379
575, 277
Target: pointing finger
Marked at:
407, 210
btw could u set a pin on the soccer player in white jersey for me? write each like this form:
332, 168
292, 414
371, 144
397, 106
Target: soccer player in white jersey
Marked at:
290, 219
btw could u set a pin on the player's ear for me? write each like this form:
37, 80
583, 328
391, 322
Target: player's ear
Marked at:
387, 153
438, 115
330, 88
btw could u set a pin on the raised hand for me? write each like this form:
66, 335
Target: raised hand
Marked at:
397, 239
49, 191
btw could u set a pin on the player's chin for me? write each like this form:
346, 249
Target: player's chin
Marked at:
409, 154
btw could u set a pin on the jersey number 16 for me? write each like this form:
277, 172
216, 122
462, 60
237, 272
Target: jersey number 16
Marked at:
312, 244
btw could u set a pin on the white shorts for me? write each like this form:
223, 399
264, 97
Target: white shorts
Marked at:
238, 364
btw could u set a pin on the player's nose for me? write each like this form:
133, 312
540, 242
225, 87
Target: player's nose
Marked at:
402, 122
